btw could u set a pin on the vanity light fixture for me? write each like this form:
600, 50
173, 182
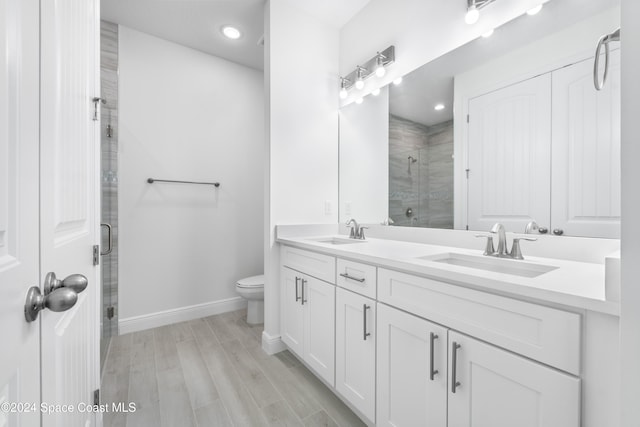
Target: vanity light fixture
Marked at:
439, 107
376, 92
397, 81
359, 77
374, 66
343, 88
473, 10
231, 32
488, 34
535, 10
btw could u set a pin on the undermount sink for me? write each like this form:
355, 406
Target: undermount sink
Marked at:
492, 264
336, 240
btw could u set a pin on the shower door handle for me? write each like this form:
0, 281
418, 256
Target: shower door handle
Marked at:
110, 235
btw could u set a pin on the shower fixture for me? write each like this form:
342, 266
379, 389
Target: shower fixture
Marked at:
411, 160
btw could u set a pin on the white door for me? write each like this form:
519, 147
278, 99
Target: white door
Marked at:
356, 351
292, 311
500, 389
509, 148
69, 190
410, 392
19, 93
586, 152
319, 300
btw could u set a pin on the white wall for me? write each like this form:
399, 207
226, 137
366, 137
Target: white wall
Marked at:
364, 158
420, 30
301, 74
186, 115
630, 318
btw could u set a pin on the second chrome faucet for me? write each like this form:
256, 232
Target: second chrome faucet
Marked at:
357, 231
502, 252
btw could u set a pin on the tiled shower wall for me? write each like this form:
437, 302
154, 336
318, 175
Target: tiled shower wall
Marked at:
426, 185
109, 169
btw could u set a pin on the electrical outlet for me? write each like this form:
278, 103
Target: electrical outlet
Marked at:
328, 210
347, 208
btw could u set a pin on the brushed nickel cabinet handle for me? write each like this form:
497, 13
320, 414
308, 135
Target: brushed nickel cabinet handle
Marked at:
297, 297
365, 334
432, 372
346, 276
454, 367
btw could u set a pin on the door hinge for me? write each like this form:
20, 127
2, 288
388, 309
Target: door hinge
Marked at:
467, 171
96, 254
96, 397
467, 118
467, 228
111, 312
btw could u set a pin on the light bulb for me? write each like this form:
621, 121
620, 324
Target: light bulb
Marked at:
535, 10
380, 71
359, 83
488, 33
472, 16
343, 93
397, 81
376, 92
439, 107
359, 101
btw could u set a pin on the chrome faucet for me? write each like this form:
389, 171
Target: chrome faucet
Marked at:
502, 239
357, 231
514, 253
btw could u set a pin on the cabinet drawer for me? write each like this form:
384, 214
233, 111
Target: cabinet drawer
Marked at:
545, 334
320, 266
357, 277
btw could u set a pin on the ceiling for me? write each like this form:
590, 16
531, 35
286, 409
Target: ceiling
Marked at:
432, 83
197, 23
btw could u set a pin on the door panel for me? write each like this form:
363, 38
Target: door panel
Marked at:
501, 389
406, 396
292, 315
355, 355
319, 327
69, 200
509, 156
586, 151
19, 115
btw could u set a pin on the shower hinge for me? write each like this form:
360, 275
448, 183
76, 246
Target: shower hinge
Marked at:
467, 118
96, 254
111, 312
96, 397
467, 171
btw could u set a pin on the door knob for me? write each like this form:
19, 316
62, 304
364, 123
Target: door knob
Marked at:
75, 282
58, 300
558, 232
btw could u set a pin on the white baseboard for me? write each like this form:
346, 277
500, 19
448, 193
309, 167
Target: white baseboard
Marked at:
272, 345
182, 314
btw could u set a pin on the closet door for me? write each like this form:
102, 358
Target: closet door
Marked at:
509, 148
586, 151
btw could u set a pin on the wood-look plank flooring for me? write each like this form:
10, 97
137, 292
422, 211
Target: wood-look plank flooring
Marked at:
213, 372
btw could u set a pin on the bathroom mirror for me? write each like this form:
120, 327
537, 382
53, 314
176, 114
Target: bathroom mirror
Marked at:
508, 128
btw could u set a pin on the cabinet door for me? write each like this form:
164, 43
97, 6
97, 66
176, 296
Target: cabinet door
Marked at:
356, 350
586, 151
500, 389
509, 149
406, 394
292, 310
319, 300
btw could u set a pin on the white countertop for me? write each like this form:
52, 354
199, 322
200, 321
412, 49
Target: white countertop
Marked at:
579, 285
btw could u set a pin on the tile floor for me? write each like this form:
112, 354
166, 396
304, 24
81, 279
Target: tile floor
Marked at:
213, 372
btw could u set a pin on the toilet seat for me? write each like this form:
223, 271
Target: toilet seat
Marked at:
251, 282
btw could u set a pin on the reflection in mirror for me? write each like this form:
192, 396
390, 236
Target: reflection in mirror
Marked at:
508, 129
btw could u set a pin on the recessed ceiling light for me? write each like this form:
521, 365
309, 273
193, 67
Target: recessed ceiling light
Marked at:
535, 10
488, 33
231, 32
439, 107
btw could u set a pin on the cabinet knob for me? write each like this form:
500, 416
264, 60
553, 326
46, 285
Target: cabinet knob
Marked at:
558, 232
543, 230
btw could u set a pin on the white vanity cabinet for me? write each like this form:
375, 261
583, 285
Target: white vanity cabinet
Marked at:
492, 387
356, 350
411, 370
308, 309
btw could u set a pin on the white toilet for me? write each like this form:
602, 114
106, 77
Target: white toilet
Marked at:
252, 289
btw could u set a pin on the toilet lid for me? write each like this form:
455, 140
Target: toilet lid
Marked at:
252, 282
